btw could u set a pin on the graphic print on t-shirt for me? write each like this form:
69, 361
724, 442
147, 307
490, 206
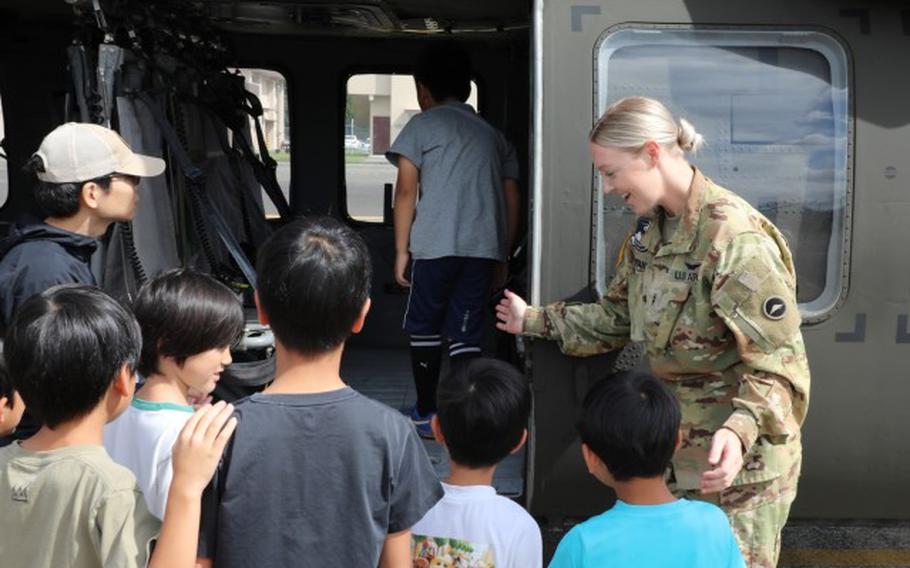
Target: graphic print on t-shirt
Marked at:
433, 552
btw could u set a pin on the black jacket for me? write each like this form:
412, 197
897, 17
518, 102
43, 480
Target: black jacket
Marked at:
36, 257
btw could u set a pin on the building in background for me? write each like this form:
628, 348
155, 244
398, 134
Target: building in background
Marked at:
271, 89
379, 106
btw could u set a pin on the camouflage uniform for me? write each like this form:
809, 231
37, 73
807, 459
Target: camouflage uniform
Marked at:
716, 311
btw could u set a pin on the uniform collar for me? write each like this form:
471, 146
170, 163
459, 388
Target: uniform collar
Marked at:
684, 239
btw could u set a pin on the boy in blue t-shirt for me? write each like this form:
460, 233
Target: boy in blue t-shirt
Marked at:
629, 431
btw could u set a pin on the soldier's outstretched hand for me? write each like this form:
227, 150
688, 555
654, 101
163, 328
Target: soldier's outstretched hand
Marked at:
510, 312
726, 459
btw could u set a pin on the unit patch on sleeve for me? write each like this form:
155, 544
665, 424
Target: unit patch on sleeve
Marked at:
774, 308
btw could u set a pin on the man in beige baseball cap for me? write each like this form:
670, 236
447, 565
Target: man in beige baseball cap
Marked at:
88, 178
76, 152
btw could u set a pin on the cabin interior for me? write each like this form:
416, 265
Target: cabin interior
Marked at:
341, 66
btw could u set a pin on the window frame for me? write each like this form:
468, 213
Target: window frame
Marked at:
836, 52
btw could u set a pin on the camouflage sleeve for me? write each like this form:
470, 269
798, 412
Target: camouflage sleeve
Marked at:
586, 329
754, 294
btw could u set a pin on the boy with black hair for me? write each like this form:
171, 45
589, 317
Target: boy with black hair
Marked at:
629, 432
457, 237
189, 322
11, 405
483, 410
72, 352
317, 474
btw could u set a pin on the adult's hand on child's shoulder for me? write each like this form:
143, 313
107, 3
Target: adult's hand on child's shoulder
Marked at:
199, 446
510, 312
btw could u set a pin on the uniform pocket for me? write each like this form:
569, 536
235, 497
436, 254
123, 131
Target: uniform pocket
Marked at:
676, 298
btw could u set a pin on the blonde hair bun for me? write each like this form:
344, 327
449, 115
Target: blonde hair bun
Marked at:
689, 139
632, 121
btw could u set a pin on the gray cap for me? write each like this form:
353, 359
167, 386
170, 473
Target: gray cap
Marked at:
77, 152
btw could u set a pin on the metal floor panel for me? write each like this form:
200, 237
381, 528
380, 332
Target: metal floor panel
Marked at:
385, 375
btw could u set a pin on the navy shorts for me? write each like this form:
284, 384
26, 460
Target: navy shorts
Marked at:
449, 297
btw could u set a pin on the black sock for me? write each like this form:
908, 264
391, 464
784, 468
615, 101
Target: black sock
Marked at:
426, 355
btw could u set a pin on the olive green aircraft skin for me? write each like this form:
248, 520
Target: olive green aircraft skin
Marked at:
856, 458
536, 68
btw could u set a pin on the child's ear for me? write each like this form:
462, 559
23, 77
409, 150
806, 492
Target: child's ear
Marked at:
587, 455
524, 438
10, 415
361, 319
125, 382
679, 438
595, 465
260, 313
437, 430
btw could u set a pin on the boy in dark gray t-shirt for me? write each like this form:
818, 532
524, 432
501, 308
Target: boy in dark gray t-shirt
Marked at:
457, 237
317, 474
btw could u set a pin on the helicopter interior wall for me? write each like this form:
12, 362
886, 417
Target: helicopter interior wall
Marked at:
33, 83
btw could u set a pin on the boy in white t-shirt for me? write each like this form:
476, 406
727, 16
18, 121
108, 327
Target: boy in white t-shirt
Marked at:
483, 409
188, 321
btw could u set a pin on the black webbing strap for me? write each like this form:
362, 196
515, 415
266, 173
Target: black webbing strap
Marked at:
264, 167
196, 184
81, 80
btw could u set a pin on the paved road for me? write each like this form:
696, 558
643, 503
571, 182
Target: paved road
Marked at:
365, 184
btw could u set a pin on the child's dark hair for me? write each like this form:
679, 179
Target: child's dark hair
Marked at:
445, 69
59, 199
483, 408
64, 348
631, 421
183, 313
314, 278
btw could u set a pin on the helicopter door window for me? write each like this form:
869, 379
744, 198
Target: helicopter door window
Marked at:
773, 108
270, 87
377, 107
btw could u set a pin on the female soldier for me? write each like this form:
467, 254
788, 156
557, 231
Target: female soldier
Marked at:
707, 284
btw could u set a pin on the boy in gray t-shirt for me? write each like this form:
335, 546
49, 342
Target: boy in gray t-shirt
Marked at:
457, 237
318, 474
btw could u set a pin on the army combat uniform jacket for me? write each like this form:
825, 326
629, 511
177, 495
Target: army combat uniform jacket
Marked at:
715, 308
